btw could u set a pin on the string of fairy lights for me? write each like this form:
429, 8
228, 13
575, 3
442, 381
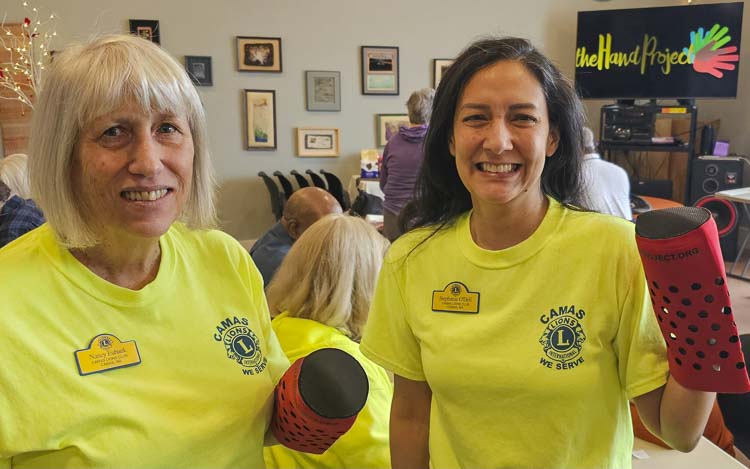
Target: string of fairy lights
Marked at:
28, 51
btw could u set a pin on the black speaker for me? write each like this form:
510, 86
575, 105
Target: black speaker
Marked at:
711, 174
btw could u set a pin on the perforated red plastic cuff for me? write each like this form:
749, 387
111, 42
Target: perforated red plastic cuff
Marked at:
688, 289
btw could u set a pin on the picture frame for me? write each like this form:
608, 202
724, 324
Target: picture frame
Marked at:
323, 90
260, 119
199, 69
147, 29
318, 142
388, 125
259, 54
439, 66
380, 70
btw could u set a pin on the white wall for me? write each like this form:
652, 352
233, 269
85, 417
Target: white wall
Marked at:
326, 35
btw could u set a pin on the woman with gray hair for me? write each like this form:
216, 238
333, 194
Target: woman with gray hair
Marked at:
320, 298
402, 158
134, 335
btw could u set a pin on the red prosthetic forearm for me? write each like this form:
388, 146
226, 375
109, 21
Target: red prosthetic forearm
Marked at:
683, 264
318, 399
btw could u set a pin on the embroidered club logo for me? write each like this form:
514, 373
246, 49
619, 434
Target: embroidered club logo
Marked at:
241, 344
563, 338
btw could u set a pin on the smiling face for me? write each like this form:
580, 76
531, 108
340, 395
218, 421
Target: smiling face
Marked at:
132, 172
502, 136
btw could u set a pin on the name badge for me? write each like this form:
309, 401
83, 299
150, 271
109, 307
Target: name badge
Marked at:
106, 352
455, 298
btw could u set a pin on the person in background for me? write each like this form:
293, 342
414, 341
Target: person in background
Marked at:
606, 187
18, 213
402, 158
304, 207
320, 298
508, 316
134, 335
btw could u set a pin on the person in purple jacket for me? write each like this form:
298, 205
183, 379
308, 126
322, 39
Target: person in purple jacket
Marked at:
402, 158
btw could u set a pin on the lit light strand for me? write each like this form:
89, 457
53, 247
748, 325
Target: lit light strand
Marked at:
28, 52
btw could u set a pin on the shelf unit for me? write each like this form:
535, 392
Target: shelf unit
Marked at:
682, 110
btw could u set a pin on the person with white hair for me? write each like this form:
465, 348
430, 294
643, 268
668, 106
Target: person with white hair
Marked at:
135, 335
18, 213
606, 187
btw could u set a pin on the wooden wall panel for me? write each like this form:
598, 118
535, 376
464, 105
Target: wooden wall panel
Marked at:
15, 117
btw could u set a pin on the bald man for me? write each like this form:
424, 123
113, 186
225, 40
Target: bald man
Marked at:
304, 207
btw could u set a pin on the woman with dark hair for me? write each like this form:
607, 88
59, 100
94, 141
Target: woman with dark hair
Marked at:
518, 327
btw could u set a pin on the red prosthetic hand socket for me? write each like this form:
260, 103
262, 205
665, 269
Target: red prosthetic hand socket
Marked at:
682, 260
318, 399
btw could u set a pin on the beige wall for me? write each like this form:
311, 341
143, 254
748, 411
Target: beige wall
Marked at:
326, 35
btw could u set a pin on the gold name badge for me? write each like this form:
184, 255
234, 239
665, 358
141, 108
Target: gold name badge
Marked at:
106, 352
455, 298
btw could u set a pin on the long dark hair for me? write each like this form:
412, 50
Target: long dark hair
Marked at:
440, 196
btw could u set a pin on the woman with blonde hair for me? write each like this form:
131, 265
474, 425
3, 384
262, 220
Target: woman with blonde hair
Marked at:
134, 335
320, 297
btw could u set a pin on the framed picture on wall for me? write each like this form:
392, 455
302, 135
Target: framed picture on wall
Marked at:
260, 119
318, 142
380, 70
439, 66
388, 125
259, 54
323, 90
199, 69
147, 29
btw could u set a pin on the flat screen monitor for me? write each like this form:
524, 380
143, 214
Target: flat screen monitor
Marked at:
666, 52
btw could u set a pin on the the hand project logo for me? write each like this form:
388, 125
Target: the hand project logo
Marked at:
706, 52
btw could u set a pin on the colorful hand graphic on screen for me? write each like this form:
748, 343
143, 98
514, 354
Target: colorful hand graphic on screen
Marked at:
706, 52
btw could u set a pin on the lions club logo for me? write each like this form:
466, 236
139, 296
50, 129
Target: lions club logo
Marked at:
563, 338
241, 344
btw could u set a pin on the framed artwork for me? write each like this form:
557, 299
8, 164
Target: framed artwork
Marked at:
323, 91
260, 117
147, 29
199, 69
259, 54
439, 66
380, 70
317, 142
388, 125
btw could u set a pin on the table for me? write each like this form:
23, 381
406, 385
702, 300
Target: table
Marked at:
371, 186
740, 196
705, 455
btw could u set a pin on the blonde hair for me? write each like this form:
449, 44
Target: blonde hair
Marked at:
87, 81
329, 275
14, 173
419, 106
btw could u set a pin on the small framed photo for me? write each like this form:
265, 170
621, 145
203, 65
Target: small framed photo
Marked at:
259, 54
388, 125
318, 142
323, 91
199, 69
260, 117
439, 66
380, 70
147, 29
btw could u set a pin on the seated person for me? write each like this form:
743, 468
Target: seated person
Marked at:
606, 187
17, 216
304, 207
320, 298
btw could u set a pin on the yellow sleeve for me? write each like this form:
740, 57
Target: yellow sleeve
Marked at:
640, 347
4, 463
388, 339
278, 363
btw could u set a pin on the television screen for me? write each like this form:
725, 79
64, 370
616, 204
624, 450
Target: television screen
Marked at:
667, 52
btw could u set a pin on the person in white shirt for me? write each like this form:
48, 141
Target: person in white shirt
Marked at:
606, 187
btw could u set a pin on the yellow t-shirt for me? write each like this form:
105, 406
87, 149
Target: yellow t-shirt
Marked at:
365, 445
201, 395
531, 352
